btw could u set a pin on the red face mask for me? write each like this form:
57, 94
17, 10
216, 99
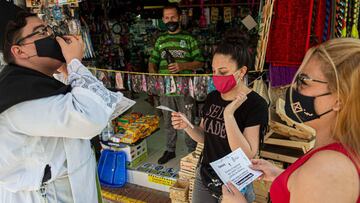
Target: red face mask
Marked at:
224, 83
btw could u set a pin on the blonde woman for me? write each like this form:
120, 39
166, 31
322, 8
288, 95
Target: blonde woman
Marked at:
326, 94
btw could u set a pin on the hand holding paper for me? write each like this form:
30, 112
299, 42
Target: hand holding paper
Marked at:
234, 168
178, 119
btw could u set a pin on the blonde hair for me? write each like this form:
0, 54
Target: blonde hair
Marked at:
340, 59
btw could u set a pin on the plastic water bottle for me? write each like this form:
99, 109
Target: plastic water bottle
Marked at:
107, 132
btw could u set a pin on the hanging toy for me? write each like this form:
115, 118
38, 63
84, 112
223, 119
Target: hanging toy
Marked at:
354, 30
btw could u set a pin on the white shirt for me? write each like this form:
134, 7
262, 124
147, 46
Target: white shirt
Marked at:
51, 130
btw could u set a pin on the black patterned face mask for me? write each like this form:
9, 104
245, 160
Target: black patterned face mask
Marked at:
302, 108
172, 26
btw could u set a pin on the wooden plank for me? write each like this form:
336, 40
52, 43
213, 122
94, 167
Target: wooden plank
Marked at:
284, 154
290, 143
279, 157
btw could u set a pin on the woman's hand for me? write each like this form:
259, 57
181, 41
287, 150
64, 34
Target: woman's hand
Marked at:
231, 108
270, 171
178, 121
232, 196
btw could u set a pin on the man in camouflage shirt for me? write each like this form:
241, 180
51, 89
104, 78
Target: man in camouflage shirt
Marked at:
188, 57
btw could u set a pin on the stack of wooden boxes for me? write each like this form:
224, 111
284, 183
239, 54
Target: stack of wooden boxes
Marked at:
185, 184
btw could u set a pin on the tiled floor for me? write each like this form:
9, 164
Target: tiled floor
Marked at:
156, 143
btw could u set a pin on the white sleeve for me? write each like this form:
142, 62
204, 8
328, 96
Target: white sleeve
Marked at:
81, 113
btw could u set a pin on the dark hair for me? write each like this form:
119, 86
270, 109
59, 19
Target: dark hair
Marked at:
236, 45
13, 33
173, 6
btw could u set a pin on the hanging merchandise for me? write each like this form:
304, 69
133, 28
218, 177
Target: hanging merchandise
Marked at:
119, 81
210, 86
160, 85
136, 83
340, 16
191, 88
172, 85
144, 84
285, 46
129, 82
151, 84
354, 29
184, 19
167, 84
327, 21
214, 15
202, 20
227, 15
200, 88
345, 20
281, 75
182, 86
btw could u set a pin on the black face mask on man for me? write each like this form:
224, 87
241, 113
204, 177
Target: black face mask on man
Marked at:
49, 47
172, 26
303, 106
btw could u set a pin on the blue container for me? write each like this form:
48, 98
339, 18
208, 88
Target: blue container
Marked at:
112, 168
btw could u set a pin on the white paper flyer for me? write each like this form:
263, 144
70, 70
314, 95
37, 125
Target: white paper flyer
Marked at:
234, 168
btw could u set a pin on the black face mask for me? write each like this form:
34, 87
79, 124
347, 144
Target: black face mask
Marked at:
172, 26
304, 107
49, 47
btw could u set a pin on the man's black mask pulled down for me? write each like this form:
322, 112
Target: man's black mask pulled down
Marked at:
49, 47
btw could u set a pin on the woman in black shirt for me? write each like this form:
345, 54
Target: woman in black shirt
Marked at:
233, 116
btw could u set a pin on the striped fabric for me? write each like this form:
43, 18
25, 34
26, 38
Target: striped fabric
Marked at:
182, 46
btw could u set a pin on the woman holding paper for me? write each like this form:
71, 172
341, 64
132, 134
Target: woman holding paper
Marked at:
233, 117
326, 97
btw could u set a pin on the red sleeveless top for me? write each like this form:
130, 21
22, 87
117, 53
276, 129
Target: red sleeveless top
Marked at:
279, 192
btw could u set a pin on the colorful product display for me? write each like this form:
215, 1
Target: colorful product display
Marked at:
132, 127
